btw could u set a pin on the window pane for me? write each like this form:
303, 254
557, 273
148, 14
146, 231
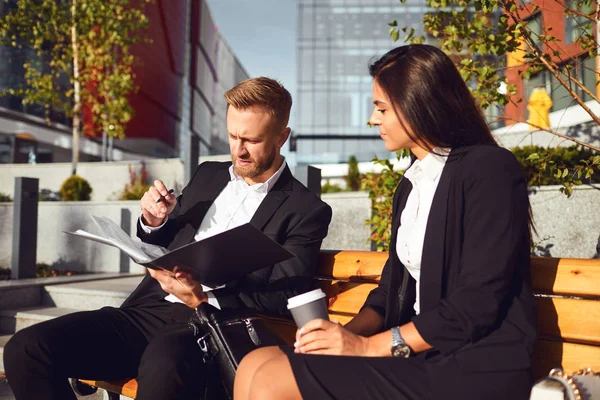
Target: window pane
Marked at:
590, 77
561, 98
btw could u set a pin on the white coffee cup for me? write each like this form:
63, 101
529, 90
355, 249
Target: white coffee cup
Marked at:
308, 306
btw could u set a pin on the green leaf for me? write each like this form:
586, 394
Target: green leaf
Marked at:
393, 23
533, 157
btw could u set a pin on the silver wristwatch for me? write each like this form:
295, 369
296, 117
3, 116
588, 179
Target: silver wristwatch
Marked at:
399, 346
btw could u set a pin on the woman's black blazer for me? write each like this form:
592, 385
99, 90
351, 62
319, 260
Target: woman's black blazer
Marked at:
476, 299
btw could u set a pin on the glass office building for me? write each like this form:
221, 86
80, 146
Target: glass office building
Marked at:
336, 41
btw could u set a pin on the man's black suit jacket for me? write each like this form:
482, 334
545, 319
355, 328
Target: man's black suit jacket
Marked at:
476, 301
290, 214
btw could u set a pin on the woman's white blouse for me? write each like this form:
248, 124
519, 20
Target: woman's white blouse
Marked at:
424, 175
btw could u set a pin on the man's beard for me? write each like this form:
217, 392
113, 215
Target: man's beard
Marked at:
256, 167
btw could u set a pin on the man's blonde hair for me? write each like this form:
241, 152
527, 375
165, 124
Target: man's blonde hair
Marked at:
264, 94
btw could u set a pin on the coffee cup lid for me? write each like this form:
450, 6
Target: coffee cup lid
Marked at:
304, 298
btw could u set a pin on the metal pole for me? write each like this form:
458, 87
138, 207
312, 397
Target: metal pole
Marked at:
310, 177
25, 217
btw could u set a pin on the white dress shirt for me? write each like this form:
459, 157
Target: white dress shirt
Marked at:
233, 207
424, 175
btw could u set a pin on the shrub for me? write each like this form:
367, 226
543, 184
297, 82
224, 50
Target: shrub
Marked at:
137, 185
331, 188
545, 169
5, 198
353, 178
75, 188
381, 189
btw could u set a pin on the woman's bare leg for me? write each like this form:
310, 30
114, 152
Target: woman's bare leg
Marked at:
248, 367
274, 380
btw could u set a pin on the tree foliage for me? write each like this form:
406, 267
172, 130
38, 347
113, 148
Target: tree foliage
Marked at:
381, 187
80, 57
489, 38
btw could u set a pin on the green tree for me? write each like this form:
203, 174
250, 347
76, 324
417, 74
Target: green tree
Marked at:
82, 58
490, 38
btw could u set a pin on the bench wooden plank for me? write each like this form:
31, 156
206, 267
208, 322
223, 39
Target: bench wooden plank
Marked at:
570, 356
562, 276
350, 264
126, 387
574, 320
346, 297
566, 276
348, 276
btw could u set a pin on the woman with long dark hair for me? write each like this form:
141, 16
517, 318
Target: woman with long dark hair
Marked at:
453, 316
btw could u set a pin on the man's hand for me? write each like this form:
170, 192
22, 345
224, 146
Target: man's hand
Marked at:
181, 285
323, 337
153, 213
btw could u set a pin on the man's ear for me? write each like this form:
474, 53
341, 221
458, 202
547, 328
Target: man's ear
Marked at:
285, 134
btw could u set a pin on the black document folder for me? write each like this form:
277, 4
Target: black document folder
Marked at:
226, 256
213, 261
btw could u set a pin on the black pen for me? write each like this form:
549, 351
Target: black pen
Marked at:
162, 197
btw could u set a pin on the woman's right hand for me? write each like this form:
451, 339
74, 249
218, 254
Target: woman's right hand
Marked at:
153, 213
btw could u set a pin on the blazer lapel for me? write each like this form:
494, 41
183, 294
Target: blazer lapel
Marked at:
432, 259
274, 199
206, 195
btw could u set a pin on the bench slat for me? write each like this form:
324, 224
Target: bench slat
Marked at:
126, 387
346, 297
562, 276
349, 264
572, 319
570, 356
566, 276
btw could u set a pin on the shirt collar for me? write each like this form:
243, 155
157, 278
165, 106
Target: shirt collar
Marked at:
259, 187
429, 167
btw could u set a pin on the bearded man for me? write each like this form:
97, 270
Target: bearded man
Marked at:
147, 337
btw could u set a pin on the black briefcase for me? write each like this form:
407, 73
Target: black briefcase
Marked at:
225, 337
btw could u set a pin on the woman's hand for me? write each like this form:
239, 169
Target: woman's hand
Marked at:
323, 337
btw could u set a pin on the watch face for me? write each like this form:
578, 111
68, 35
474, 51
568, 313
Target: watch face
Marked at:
401, 350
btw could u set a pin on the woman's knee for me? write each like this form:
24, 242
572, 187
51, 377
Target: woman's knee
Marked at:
274, 379
256, 358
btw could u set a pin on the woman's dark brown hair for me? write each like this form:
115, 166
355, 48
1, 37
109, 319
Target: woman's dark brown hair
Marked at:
425, 88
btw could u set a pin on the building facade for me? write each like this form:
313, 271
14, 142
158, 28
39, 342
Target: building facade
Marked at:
182, 75
336, 40
549, 17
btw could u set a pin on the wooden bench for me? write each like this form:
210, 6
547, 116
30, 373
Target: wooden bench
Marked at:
567, 291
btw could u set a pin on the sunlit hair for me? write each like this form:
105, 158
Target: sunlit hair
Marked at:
426, 89
264, 94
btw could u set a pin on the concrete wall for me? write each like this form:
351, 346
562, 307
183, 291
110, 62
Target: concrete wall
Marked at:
107, 179
567, 227
64, 251
347, 229
571, 226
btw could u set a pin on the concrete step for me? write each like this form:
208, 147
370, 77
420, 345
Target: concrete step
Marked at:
12, 321
23, 293
90, 295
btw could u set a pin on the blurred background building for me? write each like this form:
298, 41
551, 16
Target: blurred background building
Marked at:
182, 77
336, 40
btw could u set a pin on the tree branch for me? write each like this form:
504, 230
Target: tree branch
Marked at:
540, 55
